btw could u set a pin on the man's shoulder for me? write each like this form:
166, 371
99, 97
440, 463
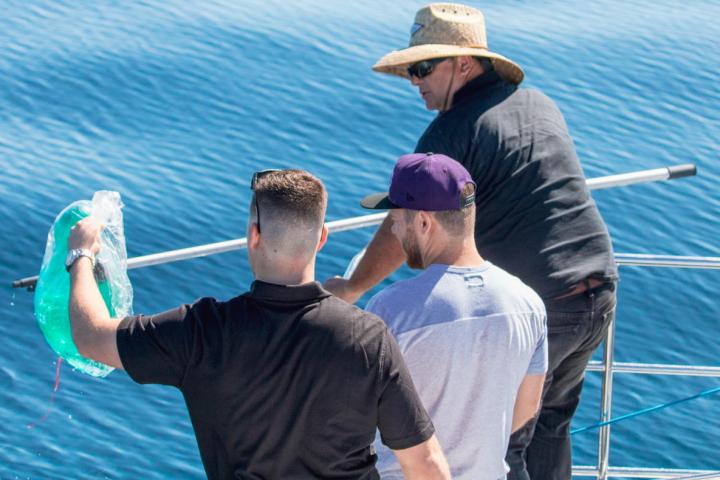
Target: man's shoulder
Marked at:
504, 279
525, 101
480, 115
336, 314
390, 292
211, 306
402, 291
335, 306
200, 307
506, 285
534, 93
210, 310
356, 333
504, 96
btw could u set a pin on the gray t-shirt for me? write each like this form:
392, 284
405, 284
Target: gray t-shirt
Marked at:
469, 336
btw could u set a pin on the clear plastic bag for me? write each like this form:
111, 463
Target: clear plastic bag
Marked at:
52, 293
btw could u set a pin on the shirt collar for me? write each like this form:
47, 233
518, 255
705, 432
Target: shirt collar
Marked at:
477, 86
445, 268
288, 293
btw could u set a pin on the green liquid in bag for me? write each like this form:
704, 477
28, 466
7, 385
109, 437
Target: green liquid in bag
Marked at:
52, 294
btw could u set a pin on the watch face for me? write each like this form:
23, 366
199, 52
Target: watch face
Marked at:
70, 259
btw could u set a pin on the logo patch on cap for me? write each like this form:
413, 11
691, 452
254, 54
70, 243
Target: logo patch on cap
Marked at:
414, 29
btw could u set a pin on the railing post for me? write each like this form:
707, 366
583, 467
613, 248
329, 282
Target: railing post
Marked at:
606, 404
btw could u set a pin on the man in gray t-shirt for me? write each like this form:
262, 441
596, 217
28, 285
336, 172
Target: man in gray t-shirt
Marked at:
473, 336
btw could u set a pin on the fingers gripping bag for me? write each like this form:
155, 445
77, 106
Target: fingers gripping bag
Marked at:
52, 293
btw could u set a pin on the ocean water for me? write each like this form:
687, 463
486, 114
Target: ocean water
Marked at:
175, 103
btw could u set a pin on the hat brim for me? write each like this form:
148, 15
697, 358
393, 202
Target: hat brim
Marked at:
397, 62
378, 201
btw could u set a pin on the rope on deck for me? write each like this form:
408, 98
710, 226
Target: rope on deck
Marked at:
645, 411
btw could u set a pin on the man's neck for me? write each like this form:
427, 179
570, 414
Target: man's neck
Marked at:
286, 276
458, 254
477, 84
460, 82
467, 259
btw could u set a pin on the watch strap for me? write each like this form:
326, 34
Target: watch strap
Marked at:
75, 254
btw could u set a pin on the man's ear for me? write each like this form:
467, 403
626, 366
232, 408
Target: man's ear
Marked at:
423, 221
323, 238
466, 64
253, 239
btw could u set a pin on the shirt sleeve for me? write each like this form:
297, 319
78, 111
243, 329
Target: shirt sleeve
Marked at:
539, 360
157, 348
378, 306
374, 306
402, 419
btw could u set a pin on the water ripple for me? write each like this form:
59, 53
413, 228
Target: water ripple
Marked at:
175, 104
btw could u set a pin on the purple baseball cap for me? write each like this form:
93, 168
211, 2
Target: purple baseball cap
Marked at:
424, 181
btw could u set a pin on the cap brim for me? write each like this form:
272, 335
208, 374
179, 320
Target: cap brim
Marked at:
378, 201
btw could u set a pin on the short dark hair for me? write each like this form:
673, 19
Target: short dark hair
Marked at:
485, 63
292, 205
457, 222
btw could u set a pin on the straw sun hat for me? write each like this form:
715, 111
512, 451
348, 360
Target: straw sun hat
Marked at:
447, 30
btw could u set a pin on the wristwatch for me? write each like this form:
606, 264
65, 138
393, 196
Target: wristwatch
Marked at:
76, 253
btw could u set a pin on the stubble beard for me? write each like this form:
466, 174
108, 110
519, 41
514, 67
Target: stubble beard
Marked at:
412, 251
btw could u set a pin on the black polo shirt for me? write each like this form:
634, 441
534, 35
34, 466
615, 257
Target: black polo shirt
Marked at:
535, 216
282, 382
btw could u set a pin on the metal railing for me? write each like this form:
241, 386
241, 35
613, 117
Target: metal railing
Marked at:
598, 183
608, 368
621, 472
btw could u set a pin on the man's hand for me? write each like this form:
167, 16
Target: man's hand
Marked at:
86, 234
342, 288
383, 256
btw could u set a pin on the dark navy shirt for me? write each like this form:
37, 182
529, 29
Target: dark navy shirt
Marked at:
283, 382
535, 216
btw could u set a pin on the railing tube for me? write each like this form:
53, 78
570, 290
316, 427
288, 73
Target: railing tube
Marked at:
606, 404
610, 181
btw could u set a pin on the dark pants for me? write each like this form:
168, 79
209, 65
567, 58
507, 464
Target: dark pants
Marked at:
541, 449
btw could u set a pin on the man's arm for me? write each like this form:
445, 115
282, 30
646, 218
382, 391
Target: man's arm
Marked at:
424, 461
383, 256
527, 402
93, 331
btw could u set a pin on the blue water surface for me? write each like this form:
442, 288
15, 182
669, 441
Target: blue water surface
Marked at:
175, 103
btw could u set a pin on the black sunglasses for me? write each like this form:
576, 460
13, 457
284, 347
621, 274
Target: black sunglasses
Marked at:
253, 183
423, 69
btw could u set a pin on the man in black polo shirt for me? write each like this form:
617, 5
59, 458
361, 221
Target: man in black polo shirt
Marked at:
283, 382
535, 216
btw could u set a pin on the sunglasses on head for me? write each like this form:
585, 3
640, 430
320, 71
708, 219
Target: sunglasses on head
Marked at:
253, 183
423, 69
259, 174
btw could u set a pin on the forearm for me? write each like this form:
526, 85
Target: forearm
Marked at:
424, 462
91, 325
527, 403
431, 469
520, 421
383, 256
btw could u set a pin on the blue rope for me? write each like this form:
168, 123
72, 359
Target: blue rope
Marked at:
645, 411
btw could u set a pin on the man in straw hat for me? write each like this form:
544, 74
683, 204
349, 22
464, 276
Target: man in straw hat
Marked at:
473, 336
535, 216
